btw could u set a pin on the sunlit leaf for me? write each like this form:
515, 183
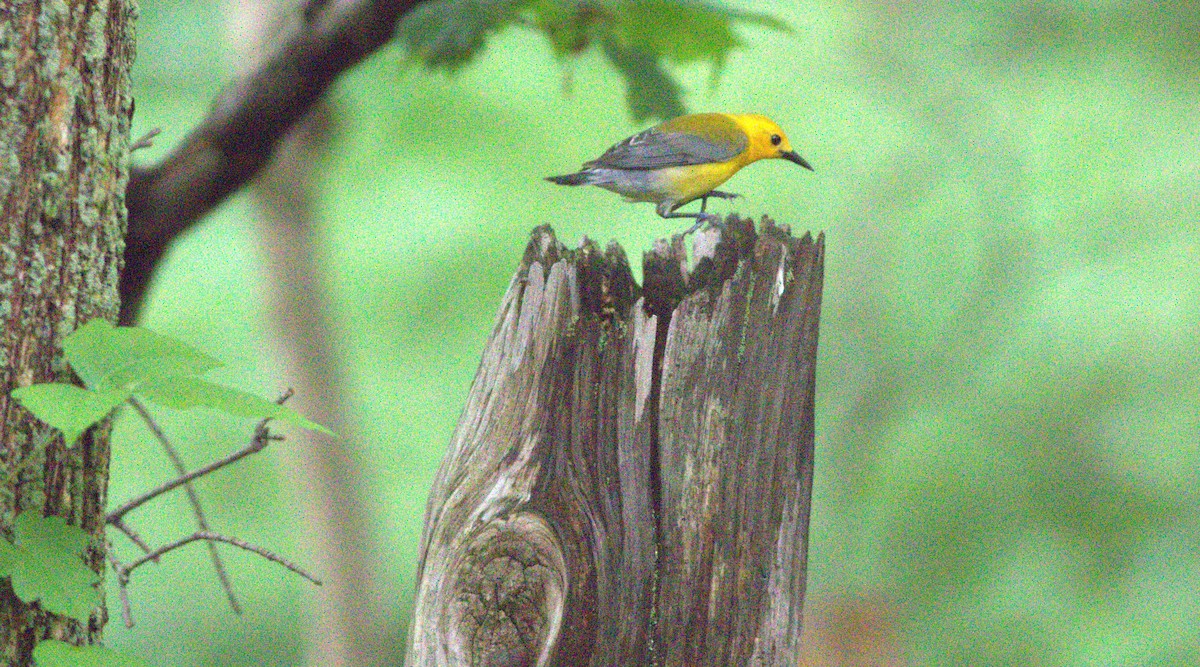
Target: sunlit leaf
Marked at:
68, 408
183, 393
104, 356
52, 653
45, 565
121, 361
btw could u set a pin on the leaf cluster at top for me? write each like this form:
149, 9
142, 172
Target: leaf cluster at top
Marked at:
635, 35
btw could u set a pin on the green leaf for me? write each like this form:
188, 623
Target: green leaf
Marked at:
183, 393
120, 361
448, 33
566, 27
104, 356
651, 93
68, 408
682, 32
45, 564
53, 653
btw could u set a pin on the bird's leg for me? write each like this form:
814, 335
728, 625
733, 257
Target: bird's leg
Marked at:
664, 210
718, 194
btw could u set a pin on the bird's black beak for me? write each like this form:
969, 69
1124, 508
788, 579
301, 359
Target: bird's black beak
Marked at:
792, 156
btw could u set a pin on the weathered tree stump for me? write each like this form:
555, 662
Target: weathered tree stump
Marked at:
630, 480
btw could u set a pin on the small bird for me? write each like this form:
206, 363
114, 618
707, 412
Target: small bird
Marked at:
683, 160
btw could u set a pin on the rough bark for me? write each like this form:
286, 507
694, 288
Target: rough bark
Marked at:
629, 483
64, 126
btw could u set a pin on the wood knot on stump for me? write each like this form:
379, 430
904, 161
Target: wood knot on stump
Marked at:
629, 482
507, 594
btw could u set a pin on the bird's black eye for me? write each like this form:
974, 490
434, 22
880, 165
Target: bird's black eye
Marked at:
776, 139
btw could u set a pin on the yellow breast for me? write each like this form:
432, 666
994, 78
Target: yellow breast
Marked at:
683, 184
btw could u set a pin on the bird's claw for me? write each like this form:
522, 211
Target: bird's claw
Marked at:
712, 219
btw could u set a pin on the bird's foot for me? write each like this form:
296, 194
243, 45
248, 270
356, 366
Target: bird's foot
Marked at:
712, 219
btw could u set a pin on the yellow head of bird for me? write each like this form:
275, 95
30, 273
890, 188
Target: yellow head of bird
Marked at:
767, 140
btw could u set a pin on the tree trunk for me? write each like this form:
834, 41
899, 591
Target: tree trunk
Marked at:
629, 483
64, 144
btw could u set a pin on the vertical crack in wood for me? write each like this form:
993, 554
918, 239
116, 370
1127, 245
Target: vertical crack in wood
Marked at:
663, 269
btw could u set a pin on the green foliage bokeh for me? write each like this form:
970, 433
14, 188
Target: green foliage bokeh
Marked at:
1008, 424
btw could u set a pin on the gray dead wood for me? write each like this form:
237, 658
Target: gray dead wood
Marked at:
630, 480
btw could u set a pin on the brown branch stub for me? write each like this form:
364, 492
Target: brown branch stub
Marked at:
652, 448
240, 134
146, 140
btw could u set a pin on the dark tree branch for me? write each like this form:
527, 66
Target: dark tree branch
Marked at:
241, 133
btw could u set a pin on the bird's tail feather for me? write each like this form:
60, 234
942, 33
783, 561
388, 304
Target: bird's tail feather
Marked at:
580, 178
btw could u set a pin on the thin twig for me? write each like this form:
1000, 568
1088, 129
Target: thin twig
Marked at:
129, 532
262, 437
193, 499
146, 141
122, 583
217, 537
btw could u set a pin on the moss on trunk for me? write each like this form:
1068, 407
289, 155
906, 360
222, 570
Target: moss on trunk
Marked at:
64, 162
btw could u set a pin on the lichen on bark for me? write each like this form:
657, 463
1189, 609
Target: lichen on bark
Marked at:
64, 163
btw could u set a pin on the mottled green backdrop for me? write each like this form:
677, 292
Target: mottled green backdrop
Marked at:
1008, 415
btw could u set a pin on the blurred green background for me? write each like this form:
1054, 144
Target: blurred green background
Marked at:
1007, 416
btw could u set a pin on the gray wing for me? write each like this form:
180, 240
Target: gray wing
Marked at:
655, 149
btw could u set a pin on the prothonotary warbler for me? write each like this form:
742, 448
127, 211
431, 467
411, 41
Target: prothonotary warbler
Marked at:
684, 159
